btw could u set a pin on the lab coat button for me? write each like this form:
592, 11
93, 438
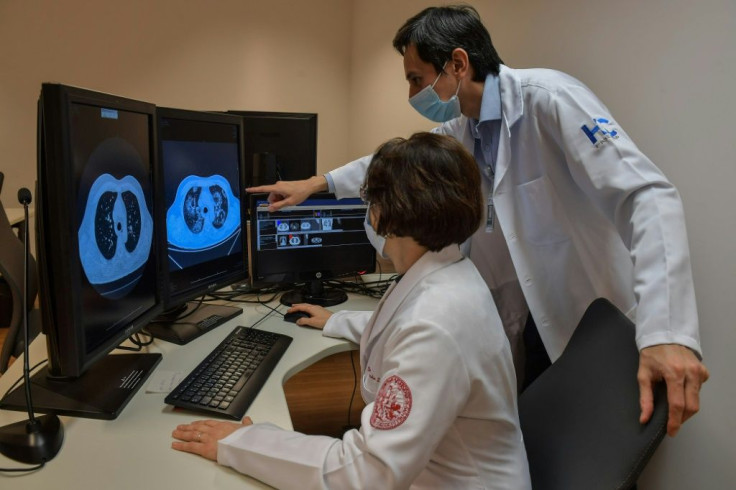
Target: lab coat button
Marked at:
512, 236
528, 281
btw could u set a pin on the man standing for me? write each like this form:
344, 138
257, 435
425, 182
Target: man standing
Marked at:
573, 209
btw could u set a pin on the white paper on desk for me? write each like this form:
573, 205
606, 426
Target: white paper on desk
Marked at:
164, 381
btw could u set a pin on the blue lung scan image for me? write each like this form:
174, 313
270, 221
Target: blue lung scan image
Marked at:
204, 214
115, 236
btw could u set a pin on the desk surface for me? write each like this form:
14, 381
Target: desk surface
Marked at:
134, 451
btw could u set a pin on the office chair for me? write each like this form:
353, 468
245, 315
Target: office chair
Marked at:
580, 418
11, 269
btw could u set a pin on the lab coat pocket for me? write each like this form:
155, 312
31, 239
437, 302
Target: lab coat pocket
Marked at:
540, 217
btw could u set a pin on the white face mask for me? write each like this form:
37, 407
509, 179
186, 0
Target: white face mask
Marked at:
429, 104
378, 242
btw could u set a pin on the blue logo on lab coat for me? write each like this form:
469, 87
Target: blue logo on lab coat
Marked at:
601, 131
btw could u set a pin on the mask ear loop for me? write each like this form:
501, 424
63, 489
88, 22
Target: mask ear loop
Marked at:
457, 90
439, 75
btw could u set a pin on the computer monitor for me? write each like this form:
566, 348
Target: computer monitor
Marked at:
279, 145
96, 249
322, 238
201, 216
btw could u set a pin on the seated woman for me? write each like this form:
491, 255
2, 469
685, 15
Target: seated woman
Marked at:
437, 374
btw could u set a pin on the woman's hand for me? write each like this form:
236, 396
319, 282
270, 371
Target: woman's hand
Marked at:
201, 437
317, 318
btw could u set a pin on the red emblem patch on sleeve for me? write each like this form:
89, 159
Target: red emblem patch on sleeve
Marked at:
392, 405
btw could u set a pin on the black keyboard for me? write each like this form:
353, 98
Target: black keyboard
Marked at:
231, 376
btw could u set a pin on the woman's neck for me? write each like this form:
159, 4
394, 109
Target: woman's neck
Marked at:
403, 252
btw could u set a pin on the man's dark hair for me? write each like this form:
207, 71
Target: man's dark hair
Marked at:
437, 31
426, 187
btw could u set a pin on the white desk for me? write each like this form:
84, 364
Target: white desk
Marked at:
134, 451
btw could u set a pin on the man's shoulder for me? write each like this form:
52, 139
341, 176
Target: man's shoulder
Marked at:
541, 78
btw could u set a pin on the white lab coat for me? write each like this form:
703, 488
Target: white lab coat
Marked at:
581, 220
454, 425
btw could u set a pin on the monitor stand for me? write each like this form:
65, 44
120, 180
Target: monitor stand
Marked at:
315, 293
188, 322
101, 392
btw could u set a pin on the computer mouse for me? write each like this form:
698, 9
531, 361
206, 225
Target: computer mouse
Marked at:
295, 315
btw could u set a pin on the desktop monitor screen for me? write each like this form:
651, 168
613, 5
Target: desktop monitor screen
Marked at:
96, 247
279, 146
322, 238
201, 209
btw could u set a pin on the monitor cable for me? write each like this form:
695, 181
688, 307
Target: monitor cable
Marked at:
349, 425
38, 439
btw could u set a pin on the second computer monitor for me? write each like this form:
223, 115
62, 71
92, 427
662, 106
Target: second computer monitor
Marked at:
201, 209
322, 238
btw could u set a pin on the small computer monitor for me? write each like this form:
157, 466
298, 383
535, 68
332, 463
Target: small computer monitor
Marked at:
320, 239
279, 146
201, 218
95, 247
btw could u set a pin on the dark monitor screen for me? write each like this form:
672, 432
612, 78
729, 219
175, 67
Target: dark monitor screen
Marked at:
279, 146
201, 184
96, 248
95, 203
321, 238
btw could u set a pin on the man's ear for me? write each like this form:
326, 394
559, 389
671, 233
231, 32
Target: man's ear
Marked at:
460, 63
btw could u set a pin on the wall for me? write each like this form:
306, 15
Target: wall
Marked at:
226, 54
666, 70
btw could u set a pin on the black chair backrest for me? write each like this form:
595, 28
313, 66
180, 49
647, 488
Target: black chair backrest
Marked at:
580, 418
11, 270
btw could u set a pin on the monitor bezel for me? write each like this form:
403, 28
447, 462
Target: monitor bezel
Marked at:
60, 268
172, 300
256, 282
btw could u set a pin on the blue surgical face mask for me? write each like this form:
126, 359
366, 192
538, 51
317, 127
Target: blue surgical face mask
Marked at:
429, 104
378, 242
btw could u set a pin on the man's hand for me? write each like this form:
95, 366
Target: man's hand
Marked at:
201, 437
683, 373
290, 192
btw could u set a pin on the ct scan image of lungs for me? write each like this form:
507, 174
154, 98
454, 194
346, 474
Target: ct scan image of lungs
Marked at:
115, 235
204, 213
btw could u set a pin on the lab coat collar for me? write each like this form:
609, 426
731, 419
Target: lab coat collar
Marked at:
512, 109
490, 105
512, 102
397, 293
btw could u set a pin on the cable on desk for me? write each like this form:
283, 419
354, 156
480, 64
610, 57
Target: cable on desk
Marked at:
199, 303
136, 340
12, 387
23, 470
273, 310
237, 296
373, 289
352, 396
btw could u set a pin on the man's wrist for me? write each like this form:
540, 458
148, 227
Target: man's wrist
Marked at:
318, 183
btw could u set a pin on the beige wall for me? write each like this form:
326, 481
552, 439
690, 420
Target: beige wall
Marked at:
665, 68
277, 55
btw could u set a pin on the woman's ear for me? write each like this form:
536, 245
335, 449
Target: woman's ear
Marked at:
373, 215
